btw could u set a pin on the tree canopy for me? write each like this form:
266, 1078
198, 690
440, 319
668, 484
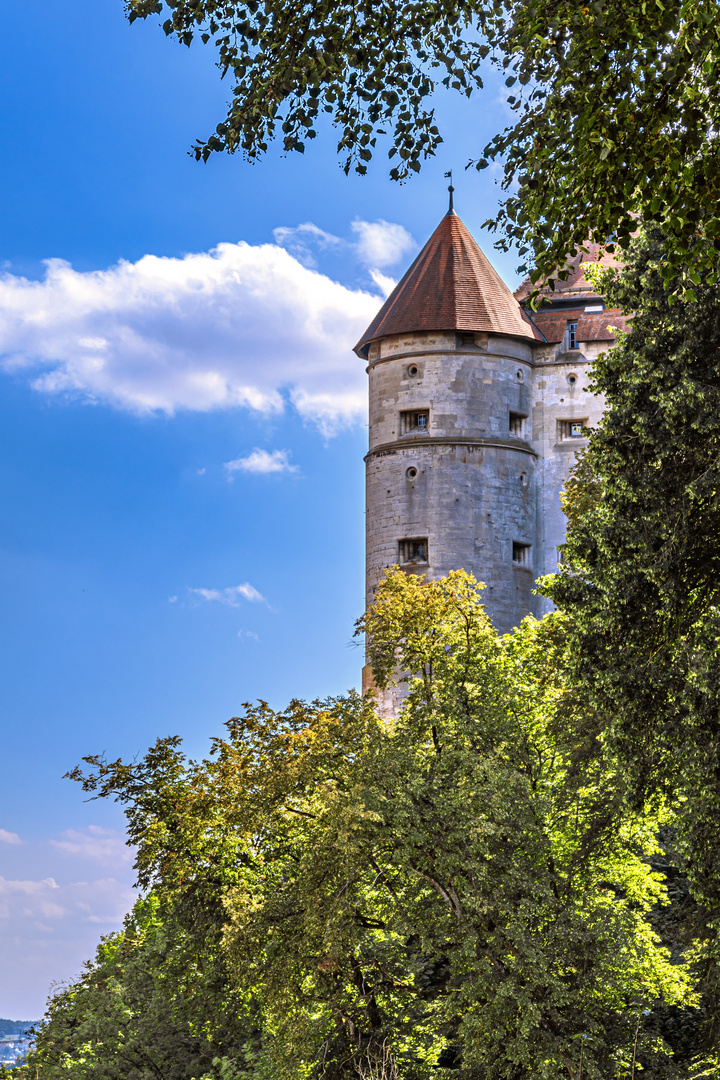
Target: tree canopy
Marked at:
641, 565
462, 887
640, 576
617, 111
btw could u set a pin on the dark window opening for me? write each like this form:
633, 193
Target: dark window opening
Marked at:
414, 421
571, 429
465, 338
572, 335
517, 425
413, 551
521, 554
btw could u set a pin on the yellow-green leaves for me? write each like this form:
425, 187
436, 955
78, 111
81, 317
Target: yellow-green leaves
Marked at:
463, 886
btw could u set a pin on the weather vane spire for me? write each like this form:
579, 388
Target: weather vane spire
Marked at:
450, 189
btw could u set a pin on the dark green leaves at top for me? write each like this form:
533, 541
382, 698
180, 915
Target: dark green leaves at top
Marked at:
616, 103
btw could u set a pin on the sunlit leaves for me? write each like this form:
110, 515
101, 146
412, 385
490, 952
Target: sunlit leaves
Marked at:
461, 885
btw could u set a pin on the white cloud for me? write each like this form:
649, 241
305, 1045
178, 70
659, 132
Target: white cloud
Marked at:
262, 461
95, 843
248, 634
44, 904
384, 283
48, 930
298, 241
239, 325
231, 596
379, 243
9, 837
382, 243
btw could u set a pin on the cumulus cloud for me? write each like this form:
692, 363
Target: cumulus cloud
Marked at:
95, 843
299, 240
379, 243
384, 283
45, 904
232, 595
239, 325
49, 929
9, 837
382, 243
262, 461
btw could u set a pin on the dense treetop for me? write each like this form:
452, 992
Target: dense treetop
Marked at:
334, 894
617, 110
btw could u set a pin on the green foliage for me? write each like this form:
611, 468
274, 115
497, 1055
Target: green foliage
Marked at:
151, 1004
459, 887
617, 114
368, 66
616, 104
641, 575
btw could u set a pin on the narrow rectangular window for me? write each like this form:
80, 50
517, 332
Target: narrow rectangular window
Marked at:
521, 554
413, 550
571, 429
517, 425
572, 335
414, 420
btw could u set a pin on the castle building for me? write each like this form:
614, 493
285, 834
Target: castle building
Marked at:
477, 407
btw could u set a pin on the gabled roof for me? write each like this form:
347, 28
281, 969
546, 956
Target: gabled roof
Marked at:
576, 283
450, 286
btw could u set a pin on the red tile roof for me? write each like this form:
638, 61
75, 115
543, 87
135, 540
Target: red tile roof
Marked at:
576, 284
450, 286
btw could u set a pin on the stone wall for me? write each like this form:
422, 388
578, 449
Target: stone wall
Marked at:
560, 395
481, 481
465, 483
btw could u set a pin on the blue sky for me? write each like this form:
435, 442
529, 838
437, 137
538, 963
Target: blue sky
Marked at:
182, 425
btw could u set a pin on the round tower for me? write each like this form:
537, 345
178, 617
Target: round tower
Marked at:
451, 473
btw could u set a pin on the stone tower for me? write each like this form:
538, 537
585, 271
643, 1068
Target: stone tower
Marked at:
476, 409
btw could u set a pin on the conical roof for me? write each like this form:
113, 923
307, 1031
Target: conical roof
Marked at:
450, 286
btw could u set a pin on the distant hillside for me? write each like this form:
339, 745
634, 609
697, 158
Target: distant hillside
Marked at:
15, 1027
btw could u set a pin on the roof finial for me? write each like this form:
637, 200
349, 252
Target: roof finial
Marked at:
450, 189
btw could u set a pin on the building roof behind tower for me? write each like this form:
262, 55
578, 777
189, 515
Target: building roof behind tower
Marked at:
450, 286
576, 283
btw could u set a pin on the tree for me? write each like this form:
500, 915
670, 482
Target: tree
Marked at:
616, 103
454, 888
152, 1005
641, 573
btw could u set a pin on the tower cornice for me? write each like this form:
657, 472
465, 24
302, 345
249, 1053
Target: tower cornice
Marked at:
412, 442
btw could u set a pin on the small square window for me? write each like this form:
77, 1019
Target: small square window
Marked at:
517, 425
571, 429
413, 550
414, 420
521, 554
